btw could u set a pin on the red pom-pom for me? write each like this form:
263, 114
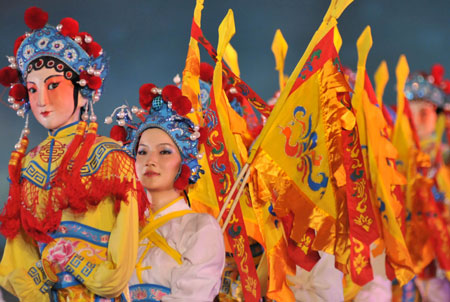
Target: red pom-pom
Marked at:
8, 76
206, 72
69, 28
35, 18
203, 135
17, 43
93, 49
118, 133
446, 86
183, 179
146, 95
93, 82
170, 93
182, 105
83, 36
18, 92
437, 71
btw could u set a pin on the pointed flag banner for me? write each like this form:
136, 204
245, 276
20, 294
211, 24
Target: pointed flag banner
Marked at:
231, 58
224, 159
243, 88
380, 158
311, 162
410, 161
279, 49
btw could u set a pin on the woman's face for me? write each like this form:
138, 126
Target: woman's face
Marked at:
51, 98
157, 160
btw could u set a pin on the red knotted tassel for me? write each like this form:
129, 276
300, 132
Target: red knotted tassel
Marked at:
10, 217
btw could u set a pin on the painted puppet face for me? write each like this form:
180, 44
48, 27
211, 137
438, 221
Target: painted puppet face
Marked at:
425, 117
51, 98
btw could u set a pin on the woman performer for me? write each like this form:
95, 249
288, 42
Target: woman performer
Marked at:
181, 253
71, 219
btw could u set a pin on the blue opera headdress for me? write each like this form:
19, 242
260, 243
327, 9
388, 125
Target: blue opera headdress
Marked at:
165, 109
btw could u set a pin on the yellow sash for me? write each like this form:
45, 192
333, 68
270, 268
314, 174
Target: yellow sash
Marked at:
155, 239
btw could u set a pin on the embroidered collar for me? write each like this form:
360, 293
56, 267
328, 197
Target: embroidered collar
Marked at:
64, 131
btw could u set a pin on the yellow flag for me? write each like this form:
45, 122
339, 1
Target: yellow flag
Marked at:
231, 58
379, 158
279, 49
381, 79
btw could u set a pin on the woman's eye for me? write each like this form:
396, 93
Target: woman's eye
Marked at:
52, 86
141, 152
31, 90
165, 152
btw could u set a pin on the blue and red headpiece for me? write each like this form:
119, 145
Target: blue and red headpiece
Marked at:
165, 109
63, 48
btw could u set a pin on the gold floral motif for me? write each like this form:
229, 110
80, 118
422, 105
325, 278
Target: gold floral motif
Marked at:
359, 262
250, 285
364, 222
240, 252
304, 243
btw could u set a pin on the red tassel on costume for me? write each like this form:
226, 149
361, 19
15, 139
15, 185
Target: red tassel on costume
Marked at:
77, 202
8, 76
17, 43
69, 28
10, 217
143, 202
182, 105
183, 179
170, 93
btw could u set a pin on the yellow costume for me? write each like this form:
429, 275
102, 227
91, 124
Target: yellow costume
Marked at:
99, 244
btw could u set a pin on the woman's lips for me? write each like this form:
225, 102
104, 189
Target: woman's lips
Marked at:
150, 173
45, 113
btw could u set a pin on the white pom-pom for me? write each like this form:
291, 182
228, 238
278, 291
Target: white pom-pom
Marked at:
93, 118
59, 27
134, 109
88, 39
82, 82
108, 120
